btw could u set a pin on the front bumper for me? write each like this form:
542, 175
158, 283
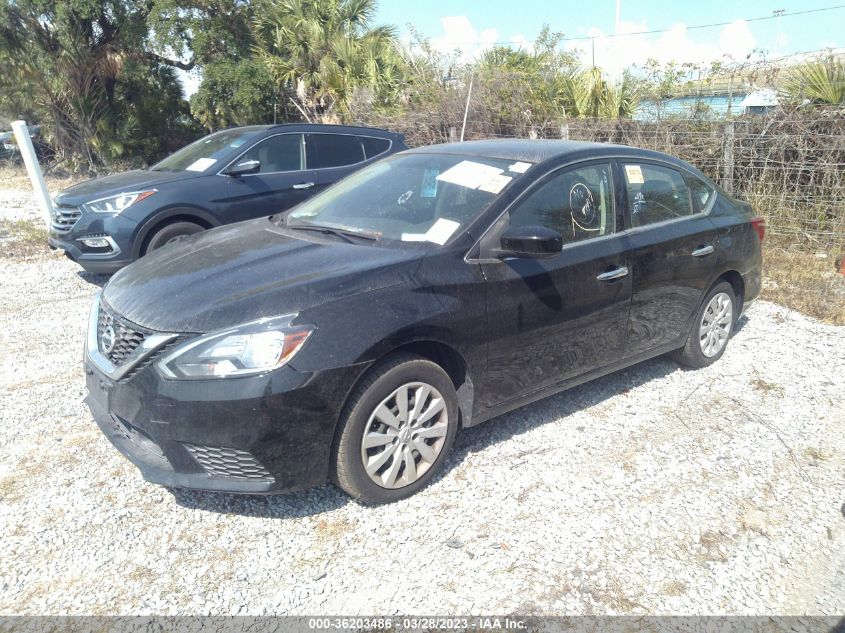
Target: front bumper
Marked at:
70, 225
262, 434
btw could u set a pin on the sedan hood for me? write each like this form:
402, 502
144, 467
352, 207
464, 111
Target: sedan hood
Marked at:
247, 271
118, 183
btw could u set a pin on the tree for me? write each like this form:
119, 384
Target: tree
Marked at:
821, 82
324, 51
101, 73
235, 92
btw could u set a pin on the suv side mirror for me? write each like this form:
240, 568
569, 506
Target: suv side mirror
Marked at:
530, 241
246, 167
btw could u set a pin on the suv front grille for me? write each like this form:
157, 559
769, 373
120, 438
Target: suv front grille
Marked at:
64, 218
228, 462
116, 337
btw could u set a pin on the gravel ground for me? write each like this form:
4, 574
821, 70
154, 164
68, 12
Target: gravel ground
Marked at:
655, 490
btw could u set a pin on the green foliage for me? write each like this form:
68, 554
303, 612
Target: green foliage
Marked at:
820, 82
326, 55
234, 93
93, 71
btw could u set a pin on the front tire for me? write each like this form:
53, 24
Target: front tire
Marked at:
396, 430
711, 329
170, 233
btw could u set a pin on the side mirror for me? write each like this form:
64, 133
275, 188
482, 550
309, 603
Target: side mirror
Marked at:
246, 167
530, 241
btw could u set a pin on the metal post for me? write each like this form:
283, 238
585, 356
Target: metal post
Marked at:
33, 169
728, 166
466, 109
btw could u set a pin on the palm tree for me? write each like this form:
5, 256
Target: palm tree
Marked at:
820, 82
324, 51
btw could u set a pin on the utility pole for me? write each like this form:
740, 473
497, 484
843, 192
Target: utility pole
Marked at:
778, 13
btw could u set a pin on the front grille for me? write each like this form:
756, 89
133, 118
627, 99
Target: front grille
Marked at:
64, 217
117, 338
228, 462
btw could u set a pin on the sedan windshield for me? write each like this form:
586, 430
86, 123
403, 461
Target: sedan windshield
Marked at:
209, 150
411, 197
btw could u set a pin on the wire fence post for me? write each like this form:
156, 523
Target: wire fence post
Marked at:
728, 160
564, 131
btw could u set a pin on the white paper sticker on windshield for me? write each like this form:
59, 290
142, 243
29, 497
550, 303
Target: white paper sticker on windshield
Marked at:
519, 167
634, 174
439, 233
469, 174
496, 183
201, 164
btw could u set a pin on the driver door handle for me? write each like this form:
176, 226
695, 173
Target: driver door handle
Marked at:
702, 251
616, 273
303, 185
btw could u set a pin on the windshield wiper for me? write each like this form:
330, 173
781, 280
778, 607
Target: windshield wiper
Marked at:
344, 234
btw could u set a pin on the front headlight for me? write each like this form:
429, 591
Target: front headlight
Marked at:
251, 348
116, 204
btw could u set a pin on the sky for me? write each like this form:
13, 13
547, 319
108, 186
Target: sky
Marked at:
475, 25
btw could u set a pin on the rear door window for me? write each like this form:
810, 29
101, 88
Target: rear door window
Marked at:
283, 152
374, 146
655, 193
334, 150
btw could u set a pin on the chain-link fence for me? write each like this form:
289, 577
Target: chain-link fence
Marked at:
789, 164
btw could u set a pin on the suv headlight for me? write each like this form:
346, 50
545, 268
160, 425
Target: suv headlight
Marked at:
116, 204
251, 348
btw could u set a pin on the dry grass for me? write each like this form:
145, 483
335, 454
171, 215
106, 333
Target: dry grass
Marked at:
805, 282
14, 176
21, 239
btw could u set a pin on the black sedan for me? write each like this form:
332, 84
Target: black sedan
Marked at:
237, 174
352, 337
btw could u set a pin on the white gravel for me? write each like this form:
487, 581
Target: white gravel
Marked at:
655, 490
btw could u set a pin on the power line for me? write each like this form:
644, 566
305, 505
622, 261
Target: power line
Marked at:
666, 30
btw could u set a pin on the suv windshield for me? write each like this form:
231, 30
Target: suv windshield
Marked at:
411, 197
202, 154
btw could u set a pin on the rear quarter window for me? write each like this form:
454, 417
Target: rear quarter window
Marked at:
374, 146
334, 150
702, 193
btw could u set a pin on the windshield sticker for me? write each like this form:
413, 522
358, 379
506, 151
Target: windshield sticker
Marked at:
634, 173
519, 167
201, 164
469, 174
439, 233
496, 183
237, 142
429, 184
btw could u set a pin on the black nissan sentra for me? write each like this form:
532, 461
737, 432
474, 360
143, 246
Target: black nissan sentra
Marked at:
351, 338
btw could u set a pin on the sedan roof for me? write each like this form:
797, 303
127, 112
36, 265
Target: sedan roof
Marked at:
541, 150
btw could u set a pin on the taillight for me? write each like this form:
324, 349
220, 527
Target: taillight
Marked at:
759, 225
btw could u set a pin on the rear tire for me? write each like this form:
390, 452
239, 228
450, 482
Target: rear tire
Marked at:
170, 233
711, 330
408, 409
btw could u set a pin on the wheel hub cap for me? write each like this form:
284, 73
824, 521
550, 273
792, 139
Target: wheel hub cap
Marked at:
404, 435
716, 323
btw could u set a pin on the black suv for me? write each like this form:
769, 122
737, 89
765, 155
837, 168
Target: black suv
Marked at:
232, 175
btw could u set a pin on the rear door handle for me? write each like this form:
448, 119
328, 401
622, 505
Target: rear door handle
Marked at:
303, 185
702, 251
616, 273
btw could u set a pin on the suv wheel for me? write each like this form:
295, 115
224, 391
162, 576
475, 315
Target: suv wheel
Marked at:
396, 430
170, 233
711, 329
